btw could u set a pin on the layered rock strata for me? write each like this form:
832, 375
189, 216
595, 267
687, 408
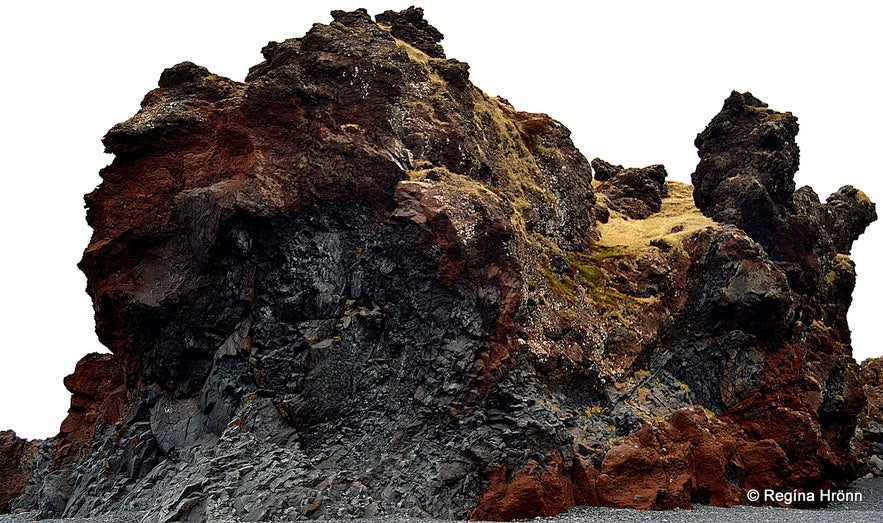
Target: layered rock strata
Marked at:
355, 285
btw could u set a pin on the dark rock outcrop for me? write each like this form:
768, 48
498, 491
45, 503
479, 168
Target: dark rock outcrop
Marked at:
748, 157
356, 285
410, 26
745, 177
869, 441
635, 192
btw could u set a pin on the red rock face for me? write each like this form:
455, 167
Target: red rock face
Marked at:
536, 490
17, 458
354, 284
691, 458
98, 399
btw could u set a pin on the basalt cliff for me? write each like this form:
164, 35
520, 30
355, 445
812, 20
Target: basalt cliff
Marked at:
354, 285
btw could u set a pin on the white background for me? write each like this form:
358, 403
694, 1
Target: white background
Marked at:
634, 80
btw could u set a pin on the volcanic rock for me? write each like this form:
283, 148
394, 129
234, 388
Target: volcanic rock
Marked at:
355, 285
97, 401
410, 27
17, 457
869, 441
745, 177
748, 157
635, 192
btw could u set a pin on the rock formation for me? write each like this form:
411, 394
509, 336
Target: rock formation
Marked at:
355, 285
745, 177
869, 437
17, 458
634, 193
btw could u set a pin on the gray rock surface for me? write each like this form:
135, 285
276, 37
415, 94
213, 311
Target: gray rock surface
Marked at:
868, 510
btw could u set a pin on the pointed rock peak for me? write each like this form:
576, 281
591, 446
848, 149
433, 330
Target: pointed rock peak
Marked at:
410, 26
748, 158
745, 177
746, 99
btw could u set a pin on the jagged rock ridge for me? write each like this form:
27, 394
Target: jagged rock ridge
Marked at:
356, 285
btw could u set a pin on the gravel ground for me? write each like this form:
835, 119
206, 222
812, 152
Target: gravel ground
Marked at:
868, 510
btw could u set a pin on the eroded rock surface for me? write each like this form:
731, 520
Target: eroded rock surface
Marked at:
745, 177
634, 192
869, 439
356, 285
17, 457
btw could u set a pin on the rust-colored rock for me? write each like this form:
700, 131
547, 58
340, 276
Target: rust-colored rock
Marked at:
98, 400
17, 457
693, 458
536, 490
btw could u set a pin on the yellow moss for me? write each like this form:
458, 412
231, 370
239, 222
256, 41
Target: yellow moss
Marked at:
414, 54
559, 286
588, 270
510, 146
589, 411
505, 142
677, 218
509, 137
830, 277
427, 110
812, 379
462, 184
842, 262
862, 198
819, 325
